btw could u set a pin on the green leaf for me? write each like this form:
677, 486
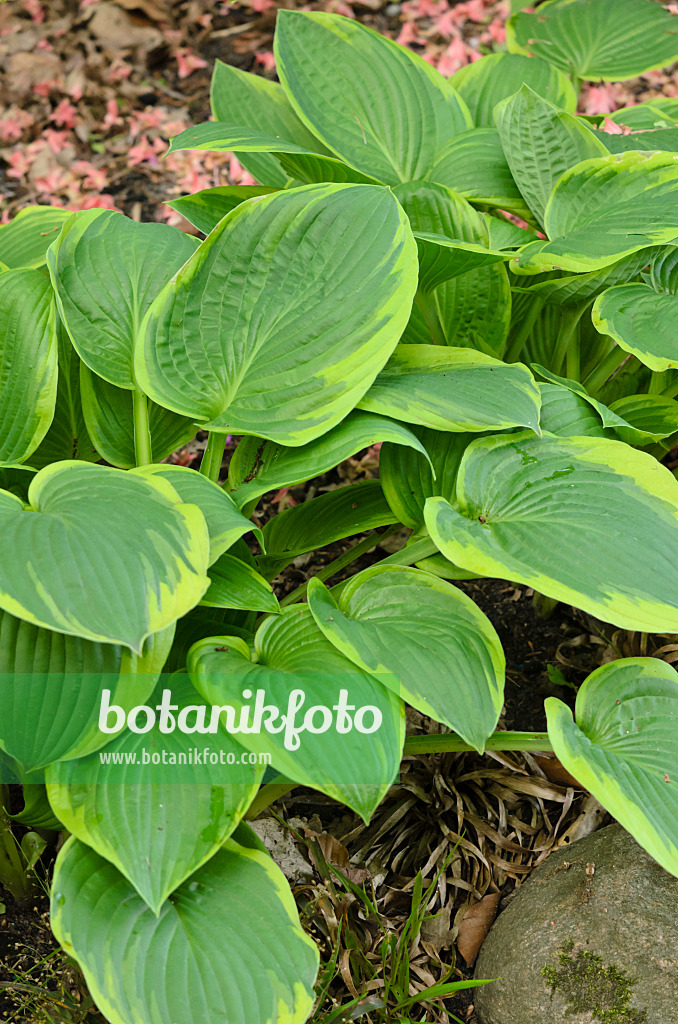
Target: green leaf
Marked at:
657, 113
566, 413
330, 517
604, 209
106, 271
556, 515
504, 234
25, 240
608, 418
642, 322
157, 825
261, 105
474, 165
331, 275
313, 168
50, 689
225, 523
654, 416
454, 389
68, 436
109, 419
664, 270
36, 811
442, 259
622, 748
381, 108
658, 139
234, 584
609, 39
567, 289
474, 310
291, 654
408, 479
259, 466
142, 553
28, 357
497, 76
16, 479
206, 208
443, 651
196, 962
541, 142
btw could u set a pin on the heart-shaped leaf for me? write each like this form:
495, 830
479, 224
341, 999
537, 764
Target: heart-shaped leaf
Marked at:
28, 355
541, 141
234, 584
50, 689
495, 77
474, 165
590, 202
258, 466
142, 553
622, 747
454, 389
206, 208
642, 322
408, 479
377, 105
224, 522
556, 514
106, 270
156, 822
592, 39
25, 240
261, 105
197, 961
331, 275
440, 647
293, 657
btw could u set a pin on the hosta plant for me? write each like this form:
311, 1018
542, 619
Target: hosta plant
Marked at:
464, 271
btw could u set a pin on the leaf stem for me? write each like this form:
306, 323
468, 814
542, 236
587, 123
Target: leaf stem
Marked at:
671, 390
213, 456
366, 544
604, 370
567, 337
521, 337
425, 304
142, 432
447, 743
267, 795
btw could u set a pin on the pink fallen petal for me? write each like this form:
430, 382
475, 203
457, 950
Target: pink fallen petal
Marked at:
188, 62
34, 8
453, 58
65, 115
56, 140
266, 59
101, 202
599, 99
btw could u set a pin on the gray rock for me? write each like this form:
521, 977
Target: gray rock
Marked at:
603, 930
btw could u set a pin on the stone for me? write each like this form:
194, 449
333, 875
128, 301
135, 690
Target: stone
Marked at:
590, 938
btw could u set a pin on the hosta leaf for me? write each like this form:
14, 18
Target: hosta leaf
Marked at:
292, 654
622, 747
16, 479
540, 142
474, 310
292, 347
25, 240
474, 165
225, 523
262, 105
454, 389
497, 76
109, 419
568, 289
206, 208
312, 168
142, 553
567, 414
504, 234
655, 416
440, 647
657, 113
332, 516
28, 357
234, 584
156, 824
557, 515
664, 270
378, 106
610, 39
408, 479
642, 322
608, 418
106, 271
67, 437
196, 962
36, 811
442, 259
603, 209
258, 466
657, 139
50, 689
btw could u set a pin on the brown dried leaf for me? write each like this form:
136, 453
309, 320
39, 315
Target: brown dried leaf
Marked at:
555, 771
336, 854
475, 925
156, 10
117, 30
